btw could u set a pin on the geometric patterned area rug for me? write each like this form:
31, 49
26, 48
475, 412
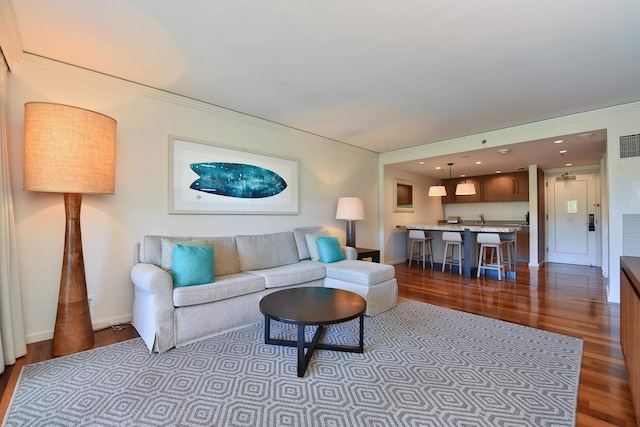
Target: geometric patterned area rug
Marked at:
423, 365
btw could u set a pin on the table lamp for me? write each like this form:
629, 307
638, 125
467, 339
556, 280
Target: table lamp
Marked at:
72, 151
351, 209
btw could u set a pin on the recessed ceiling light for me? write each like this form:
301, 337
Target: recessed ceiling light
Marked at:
422, 163
563, 151
503, 151
438, 168
568, 164
463, 175
478, 162
498, 171
559, 141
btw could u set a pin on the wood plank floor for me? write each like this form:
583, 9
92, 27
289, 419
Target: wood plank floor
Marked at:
565, 299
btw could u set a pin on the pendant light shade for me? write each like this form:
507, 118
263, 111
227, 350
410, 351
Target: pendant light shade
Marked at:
437, 191
465, 189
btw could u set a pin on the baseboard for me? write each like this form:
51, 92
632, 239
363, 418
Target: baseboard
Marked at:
97, 325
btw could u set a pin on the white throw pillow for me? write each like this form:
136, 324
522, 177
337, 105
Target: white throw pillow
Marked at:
312, 243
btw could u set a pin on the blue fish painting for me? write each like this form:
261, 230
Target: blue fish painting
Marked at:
237, 180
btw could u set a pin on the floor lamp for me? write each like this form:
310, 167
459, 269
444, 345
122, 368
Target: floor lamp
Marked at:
351, 209
72, 151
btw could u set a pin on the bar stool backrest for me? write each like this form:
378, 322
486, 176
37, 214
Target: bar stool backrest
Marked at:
416, 234
452, 236
489, 238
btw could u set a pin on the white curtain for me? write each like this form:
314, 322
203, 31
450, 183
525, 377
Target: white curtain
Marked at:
12, 339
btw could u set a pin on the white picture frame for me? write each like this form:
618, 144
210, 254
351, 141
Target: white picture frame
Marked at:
187, 197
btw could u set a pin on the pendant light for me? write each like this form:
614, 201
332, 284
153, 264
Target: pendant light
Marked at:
464, 188
439, 190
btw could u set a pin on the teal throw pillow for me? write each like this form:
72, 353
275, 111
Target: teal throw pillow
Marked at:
329, 249
312, 243
192, 265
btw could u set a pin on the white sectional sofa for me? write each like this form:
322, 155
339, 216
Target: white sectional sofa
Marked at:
246, 268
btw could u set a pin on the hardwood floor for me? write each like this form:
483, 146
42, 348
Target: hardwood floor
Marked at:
559, 298
564, 299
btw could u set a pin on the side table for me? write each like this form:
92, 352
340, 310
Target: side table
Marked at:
374, 254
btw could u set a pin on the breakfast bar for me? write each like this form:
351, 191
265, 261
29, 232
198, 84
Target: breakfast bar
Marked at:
469, 233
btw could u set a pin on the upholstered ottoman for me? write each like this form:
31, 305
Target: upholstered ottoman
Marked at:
374, 282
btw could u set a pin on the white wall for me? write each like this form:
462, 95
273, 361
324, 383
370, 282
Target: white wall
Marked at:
621, 186
428, 210
111, 225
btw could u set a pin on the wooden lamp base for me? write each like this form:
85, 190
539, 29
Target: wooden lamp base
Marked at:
73, 331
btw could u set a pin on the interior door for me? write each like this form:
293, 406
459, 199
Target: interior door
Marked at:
572, 222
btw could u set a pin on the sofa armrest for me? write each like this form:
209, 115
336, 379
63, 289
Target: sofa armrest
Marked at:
350, 253
153, 306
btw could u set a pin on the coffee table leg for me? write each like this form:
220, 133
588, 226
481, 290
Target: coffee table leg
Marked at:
302, 365
361, 344
267, 330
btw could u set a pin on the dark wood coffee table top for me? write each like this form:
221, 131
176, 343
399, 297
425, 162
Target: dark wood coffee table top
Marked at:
313, 305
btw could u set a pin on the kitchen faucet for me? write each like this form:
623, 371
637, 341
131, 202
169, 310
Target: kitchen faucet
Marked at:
481, 218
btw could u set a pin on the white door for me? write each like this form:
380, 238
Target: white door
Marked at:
572, 221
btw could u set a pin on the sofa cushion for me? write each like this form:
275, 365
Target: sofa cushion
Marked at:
225, 262
291, 274
360, 272
266, 250
166, 258
224, 287
192, 265
299, 235
312, 243
226, 259
329, 249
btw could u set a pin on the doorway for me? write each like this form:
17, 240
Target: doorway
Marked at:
573, 225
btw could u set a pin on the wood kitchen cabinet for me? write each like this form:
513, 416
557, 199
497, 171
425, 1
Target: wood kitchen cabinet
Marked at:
523, 244
506, 187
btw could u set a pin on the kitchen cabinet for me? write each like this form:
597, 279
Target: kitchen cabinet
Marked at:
507, 187
523, 244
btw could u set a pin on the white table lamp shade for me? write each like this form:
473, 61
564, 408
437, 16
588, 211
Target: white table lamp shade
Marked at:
350, 208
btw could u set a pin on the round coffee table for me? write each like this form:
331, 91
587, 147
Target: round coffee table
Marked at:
313, 306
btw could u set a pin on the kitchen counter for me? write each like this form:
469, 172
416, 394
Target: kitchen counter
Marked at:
470, 232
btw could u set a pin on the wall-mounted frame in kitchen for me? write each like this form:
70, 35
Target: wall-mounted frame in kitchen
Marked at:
402, 195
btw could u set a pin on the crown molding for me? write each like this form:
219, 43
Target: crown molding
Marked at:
183, 101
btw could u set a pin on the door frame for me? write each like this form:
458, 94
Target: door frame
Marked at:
550, 176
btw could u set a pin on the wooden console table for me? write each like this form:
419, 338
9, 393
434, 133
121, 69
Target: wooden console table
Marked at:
630, 324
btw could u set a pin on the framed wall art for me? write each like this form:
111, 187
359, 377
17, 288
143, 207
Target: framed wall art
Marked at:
402, 195
211, 179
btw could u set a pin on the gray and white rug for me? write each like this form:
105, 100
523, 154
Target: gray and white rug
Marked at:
423, 366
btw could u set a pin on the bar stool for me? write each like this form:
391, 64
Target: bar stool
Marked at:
491, 240
452, 239
424, 243
511, 251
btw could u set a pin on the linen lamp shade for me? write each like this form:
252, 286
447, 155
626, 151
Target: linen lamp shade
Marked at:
68, 150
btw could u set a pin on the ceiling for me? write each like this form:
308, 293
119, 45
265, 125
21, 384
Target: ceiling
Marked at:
565, 152
376, 74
